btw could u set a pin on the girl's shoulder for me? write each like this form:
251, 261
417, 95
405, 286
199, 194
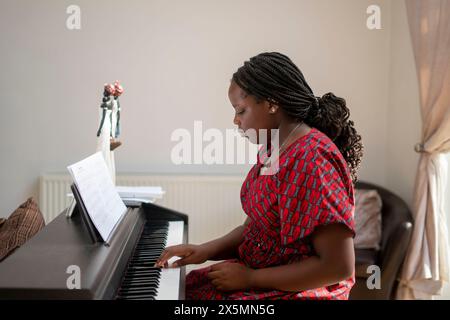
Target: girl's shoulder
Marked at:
311, 147
314, 154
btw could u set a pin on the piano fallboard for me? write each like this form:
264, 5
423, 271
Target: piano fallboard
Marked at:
39, 269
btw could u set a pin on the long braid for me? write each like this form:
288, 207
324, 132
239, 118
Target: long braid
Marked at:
273, 77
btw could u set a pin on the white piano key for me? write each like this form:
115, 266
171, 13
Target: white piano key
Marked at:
169, 281
174, 237
169, 284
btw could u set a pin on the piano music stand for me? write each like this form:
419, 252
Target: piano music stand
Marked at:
92, 230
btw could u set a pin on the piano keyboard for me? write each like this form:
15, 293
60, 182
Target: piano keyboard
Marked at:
141, 280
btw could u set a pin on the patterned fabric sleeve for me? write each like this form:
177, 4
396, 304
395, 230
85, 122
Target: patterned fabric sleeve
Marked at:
312, 193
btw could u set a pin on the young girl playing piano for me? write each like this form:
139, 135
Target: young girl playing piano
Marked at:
297, 241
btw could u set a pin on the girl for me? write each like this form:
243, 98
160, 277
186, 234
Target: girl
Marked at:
297, 241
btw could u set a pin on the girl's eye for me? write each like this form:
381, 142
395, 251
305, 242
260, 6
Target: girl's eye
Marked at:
240, 112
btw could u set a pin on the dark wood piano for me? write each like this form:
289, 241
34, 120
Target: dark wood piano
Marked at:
122, 270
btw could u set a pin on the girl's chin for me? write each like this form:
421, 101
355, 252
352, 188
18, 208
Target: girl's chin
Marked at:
252, 140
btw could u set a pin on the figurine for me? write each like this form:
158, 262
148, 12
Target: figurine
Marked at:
109, 129
118, 90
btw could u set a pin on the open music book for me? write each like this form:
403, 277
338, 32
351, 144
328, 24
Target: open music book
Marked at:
98, 194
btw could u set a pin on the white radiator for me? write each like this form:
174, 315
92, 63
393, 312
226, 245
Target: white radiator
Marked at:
212, 202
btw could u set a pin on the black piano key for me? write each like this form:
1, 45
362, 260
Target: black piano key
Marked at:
138, 283
142, 262
158, 240
147, 261
151, 288
133, 273
138, 273
130, 279
140, 270
144, 258
156, 244
149, 270
143, 265
146, 255
148, 247
138, 297
153, 236
141, 276
133, 285
153, 245
137, 292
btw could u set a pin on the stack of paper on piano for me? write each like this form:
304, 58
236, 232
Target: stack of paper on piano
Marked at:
136, 195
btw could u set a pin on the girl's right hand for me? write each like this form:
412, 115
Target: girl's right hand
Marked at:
189, 254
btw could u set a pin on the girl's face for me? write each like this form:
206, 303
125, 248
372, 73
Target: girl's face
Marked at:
250, 115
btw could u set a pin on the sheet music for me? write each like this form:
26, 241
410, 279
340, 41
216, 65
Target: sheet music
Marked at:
102, 201
145, 192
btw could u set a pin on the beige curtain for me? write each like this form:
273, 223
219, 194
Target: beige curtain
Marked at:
426, 267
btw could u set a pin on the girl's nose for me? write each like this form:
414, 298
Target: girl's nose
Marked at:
236, 121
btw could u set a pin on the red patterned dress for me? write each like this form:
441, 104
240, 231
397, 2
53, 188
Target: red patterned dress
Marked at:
312, 187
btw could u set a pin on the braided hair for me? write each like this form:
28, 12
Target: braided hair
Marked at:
273, 77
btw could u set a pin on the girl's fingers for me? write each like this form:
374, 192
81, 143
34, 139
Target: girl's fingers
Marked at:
213, 274
180, 262
186, 259
218, 266
169, 252
215, 283
165, 256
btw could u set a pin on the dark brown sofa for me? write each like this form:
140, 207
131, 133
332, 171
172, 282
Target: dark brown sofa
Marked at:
396, 233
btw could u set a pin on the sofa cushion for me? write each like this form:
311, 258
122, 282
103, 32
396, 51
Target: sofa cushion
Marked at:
367, 219
21, 225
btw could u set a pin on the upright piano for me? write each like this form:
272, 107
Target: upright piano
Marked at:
44, 267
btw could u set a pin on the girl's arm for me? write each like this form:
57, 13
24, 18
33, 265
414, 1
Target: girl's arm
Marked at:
335, 262
226, 247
